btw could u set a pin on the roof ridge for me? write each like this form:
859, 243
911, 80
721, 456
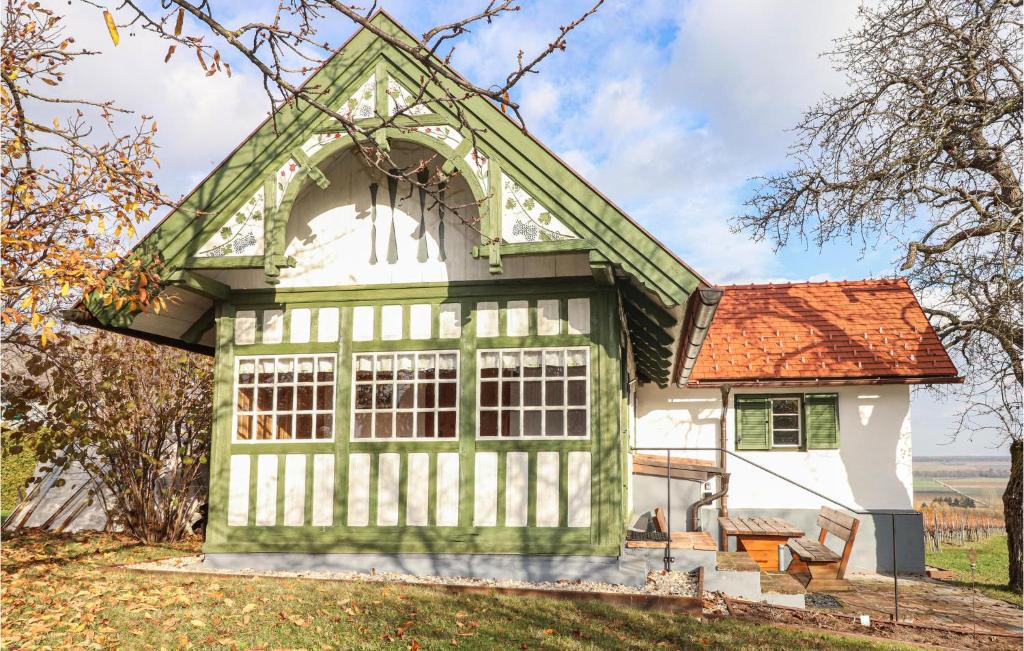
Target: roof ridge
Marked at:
819, 283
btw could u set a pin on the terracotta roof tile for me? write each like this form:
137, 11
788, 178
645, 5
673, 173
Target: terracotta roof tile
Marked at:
832, 330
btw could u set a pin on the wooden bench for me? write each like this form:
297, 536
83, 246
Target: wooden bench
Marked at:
815, 565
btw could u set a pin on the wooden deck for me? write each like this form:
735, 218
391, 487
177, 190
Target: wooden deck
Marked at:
699, 540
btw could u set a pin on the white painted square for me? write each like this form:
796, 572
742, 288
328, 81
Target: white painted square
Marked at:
517, 488
448, 489
487, 319
450, 321
362, 323
579, 316
387, 489
238, 491
327, 324
547, 489
485, 495
517, 318
294, 490
578, 470
549, 320
273, 326
390, 322
300, 322
358, 490
245, 327
323, 490
417, 489
420, 317
266, 490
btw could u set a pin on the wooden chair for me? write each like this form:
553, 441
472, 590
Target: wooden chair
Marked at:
815, 565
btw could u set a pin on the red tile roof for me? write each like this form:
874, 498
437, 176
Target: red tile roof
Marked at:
862, 329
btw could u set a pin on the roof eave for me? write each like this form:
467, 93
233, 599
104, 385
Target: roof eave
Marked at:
826, 381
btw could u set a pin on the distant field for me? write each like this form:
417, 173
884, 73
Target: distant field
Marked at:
982, 478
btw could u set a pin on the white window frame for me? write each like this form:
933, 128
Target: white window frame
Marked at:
543, 407
799, 422
274, 412
415, 410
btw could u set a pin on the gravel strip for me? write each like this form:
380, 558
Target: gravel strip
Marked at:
678, 584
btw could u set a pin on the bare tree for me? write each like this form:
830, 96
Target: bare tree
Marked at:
925, 150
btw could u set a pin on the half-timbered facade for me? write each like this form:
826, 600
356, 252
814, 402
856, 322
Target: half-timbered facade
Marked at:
398, 380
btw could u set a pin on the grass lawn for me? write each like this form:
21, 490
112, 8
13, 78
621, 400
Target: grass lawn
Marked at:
58, 592
15, 469
993, 567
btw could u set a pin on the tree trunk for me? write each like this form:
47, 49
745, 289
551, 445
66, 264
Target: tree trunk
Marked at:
1012, 504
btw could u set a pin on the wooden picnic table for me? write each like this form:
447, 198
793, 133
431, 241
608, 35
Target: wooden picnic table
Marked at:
760, 538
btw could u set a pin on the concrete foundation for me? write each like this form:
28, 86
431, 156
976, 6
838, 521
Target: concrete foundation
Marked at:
625, 571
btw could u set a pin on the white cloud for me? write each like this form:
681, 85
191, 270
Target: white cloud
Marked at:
199, 119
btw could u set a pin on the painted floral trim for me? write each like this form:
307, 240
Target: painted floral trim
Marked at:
530, 222
284, 177
242, 234
399, 98
362, 102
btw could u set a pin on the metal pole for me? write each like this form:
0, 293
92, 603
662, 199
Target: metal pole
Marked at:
895, 572
668, 501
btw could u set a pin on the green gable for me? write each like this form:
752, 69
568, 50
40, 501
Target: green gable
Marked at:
613, 236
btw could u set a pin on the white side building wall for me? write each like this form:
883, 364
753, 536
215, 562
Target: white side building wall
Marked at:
871, 469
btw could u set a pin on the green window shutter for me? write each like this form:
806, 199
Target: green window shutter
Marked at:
821, 421
752, 414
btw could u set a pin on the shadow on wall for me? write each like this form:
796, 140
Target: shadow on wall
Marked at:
873, 471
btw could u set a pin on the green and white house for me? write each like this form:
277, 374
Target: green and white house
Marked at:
401, 388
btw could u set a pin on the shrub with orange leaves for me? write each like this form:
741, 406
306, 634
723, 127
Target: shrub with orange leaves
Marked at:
75, 188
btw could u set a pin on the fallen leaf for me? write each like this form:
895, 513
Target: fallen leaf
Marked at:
111, 27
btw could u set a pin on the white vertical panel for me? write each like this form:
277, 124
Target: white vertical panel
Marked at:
327, 324
301, 318
547, 489
579, 316
238, 491
323, 490
362, 323
420, 317
450, 321
273, 326
579, 488
487, 319
245, 327
485, 493
358, 490
548, 319
517, 488
517, 318
417, 489
266, 490
390, 322
294, 490
448, 489
387, 489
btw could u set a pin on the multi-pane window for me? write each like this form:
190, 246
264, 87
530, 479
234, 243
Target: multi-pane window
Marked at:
284, 397
536, 392
785, 422
405, 395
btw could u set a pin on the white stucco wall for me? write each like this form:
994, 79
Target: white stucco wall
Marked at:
871, 468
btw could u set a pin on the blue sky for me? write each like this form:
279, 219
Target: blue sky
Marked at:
669, 108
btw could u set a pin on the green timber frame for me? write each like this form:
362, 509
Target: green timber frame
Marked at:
605, 446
